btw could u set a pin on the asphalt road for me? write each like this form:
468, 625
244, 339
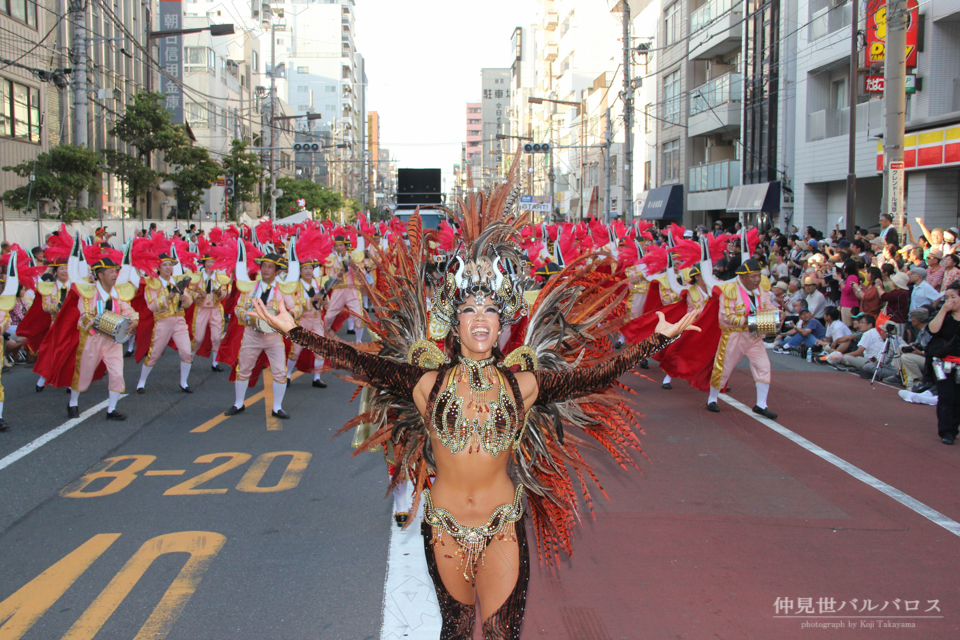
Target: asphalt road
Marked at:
177, 524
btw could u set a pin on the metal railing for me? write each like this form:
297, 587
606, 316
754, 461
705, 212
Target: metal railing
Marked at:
830, 123
711, 11
716, 175
726, 88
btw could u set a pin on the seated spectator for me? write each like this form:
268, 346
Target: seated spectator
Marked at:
815, 301
922, 294
868, 346
807, 333
951, 272
935, 268
898, 300
912, 355
838, 339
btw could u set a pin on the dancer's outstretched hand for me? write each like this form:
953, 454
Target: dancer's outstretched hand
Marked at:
282, 322
669, 330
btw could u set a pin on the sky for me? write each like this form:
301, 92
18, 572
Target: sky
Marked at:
423, 61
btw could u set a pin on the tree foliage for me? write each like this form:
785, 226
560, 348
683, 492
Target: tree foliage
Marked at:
319, 199
60, 174
195, 173
245, 167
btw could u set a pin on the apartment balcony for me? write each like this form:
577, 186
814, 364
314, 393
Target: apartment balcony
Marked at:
550, 21
715, 29
830, 19
551, 52
830, 123
715, 106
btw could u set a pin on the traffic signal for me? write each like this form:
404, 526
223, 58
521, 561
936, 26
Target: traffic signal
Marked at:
536, 147
228, 185
306, 147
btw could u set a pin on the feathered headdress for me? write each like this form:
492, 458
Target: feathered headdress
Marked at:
93, 253
655, 260
641, 230
187, 258
26, 270
314, 247
686, 253
225, 256
718, 245
446, 237
59, 247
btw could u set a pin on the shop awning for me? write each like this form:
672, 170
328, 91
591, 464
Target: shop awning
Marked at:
754, 198
663, 203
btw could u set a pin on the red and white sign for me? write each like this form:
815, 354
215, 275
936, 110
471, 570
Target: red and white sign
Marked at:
874, 84
930, 148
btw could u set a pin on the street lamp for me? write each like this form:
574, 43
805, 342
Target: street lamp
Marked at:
214, 29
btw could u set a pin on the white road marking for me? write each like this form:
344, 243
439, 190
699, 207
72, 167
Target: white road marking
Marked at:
50, 435
410, 608
913, 504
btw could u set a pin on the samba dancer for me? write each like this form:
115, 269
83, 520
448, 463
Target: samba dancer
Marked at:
740, 298
308, 251
276, 296
167, 299
52, 294
209, 291
464, 413
94, 347
344, 293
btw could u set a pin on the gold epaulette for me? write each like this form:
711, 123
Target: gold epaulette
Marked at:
194, 276
154, 283
46, 288
729, 289
246, 286
289, 288
694, 294
88, 291
7, 303
765, 283
223, 279
126, 291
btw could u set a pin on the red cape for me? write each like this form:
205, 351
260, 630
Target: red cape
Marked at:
691, 356
35, 325
57, 355
653, 301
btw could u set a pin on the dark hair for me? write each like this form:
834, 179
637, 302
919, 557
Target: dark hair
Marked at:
953, 257
888, 269
850, 269
869, 318
875, 272
832, 312
955, 285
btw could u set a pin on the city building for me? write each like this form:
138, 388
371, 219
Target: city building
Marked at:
495, 122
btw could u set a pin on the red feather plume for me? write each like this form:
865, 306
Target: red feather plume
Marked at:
718, 245
225, 256
753, 239
687, 253
27, 274
59, 246
655, 260
314, 245
644, 228
628, 256
446, 237
676, 231
93, 253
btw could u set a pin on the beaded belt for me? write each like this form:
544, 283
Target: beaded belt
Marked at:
472, 541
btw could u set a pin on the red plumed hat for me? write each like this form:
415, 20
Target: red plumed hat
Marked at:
655, 260
686, 253
59, 247
26, 272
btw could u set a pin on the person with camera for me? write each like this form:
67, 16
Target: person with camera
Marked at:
944, 352
913, 355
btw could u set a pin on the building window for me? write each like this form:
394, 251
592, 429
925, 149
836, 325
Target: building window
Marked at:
303, 69
19, 111
211, 115
474, 121
330, 107
647, 175
303, 88
671, 97
331, 88
671, 24
256, 62
303, 107
346, 73
23, 10
473, 110
196, 114
671, 161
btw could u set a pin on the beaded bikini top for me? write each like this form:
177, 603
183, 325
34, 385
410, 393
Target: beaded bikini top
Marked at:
499, 431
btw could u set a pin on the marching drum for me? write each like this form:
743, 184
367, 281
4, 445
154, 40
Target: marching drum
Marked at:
764, 323
113, 325
258, 325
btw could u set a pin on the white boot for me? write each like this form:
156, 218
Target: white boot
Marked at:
291, 366
112, 403
279, 389
184, 374
240, 387
144, 373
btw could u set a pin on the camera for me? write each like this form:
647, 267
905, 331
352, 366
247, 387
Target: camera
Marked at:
891, 329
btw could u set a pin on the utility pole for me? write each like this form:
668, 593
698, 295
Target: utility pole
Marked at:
273, 115
895, 103
583, 148
608, 133
627, 205
854, 87
78, 38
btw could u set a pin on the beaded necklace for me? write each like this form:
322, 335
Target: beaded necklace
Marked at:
498, 432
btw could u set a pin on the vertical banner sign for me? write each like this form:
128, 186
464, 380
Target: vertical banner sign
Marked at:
171, 59
877, 31
896, 191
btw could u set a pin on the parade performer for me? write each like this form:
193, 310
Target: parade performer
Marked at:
305, 255
465, 414
80, 344
8, 299
167, 297
344, 268
206, 318
692, 261
255, 342
742, 297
